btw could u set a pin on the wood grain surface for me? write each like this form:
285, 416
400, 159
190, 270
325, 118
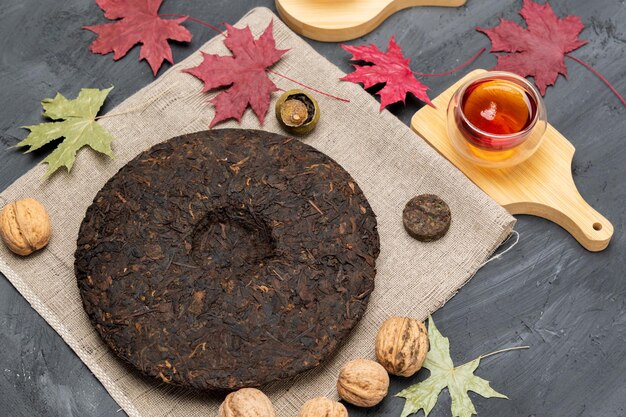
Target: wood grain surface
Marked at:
338, 21
548, 292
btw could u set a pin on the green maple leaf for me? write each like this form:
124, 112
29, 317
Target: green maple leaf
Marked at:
77, 125
459, 380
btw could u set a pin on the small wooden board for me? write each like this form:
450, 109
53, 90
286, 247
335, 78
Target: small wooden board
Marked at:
541, 186
342, 20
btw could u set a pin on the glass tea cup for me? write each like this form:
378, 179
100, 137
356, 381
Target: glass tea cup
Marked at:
496, 120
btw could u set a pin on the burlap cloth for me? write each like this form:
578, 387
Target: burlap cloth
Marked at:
389, 162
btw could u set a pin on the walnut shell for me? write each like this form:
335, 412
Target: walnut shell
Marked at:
402, 345
363, 382
25, 226
247, 402
323, 407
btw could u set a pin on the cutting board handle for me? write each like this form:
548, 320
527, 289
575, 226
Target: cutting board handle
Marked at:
570, 211
557, 199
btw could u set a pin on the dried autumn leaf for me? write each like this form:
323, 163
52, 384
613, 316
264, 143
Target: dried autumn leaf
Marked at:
244, 73
78, 127
140, 23
443, 374
390, 68
538, 51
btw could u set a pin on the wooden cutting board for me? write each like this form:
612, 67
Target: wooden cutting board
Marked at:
541, 186
342, 20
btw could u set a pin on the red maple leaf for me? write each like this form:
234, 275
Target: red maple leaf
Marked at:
140, 23
244, 73
538, 51
391, 68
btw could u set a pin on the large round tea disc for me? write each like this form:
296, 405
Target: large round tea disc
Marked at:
227, 258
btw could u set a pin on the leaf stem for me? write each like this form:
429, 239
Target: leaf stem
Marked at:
268, 70
460, 67
600, 76
503, 350
193, 19
345, 100
104, 116
134, 109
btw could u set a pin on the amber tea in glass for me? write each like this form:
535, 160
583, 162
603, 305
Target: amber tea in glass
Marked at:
496, 120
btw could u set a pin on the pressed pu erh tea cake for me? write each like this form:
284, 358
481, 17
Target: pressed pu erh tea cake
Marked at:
227, 258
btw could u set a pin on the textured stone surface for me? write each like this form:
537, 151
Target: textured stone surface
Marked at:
548, 292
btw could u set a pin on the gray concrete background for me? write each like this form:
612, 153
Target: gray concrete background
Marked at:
548, 292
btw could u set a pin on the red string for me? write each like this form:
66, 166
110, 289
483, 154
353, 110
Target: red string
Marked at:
600, 76
268, 70
460, 67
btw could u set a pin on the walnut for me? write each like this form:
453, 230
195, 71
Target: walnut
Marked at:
363, 382
247, 402
25, 226
323, 407
402, 345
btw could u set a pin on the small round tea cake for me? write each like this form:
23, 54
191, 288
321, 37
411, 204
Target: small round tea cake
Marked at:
426, 217
227, 259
